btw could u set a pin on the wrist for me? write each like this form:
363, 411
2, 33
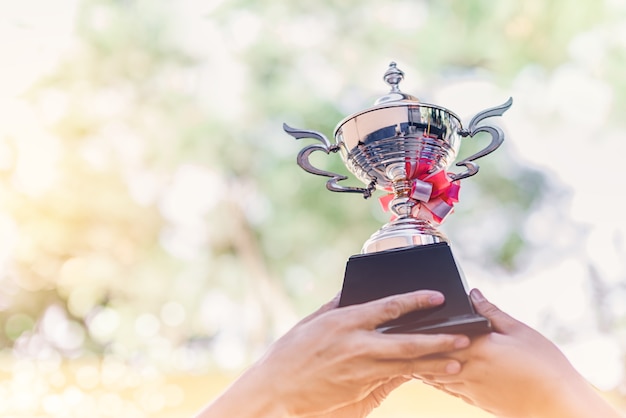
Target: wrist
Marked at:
574, 398
250, 396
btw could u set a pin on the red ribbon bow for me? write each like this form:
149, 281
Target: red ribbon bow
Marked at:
435, 193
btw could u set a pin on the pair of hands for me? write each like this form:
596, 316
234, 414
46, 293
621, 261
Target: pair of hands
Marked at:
334, 364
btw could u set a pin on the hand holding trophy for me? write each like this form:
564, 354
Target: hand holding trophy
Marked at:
405, 147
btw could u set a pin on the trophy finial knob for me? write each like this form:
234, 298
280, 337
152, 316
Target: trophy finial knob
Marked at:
393, 76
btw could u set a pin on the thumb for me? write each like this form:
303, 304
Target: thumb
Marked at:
376, 312
500, 321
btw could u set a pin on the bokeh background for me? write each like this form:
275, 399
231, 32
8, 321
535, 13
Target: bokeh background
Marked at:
156, 233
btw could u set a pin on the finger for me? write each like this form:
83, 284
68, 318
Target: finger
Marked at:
432, 368
435, 367
459, 355
395, 383
454, 390
328, 306
380, 393
457, 395
458, 390
386, 388
408, 363
435, 385
501, 321
371, 314
442, 388
412, 346
442, 379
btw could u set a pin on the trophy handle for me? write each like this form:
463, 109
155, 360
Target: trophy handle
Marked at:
497, 137
327, 147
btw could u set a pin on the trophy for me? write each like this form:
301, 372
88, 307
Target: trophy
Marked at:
405, 147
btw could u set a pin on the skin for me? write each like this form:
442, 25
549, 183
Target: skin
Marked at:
334, 364
516, 372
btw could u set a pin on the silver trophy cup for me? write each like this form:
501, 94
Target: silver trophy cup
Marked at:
405, 148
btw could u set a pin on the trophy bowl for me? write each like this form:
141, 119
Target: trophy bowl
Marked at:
395, 144
408, 136
405, 147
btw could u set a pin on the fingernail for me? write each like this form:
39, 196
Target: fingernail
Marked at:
453, 367
477, 296
436, 299
461, 342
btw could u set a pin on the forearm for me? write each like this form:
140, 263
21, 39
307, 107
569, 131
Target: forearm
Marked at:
576, 399
248, 397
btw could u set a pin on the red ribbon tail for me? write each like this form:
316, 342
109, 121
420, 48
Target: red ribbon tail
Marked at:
385, 200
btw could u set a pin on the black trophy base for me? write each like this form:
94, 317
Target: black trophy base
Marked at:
378, 275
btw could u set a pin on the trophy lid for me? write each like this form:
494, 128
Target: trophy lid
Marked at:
393, 76
375, 117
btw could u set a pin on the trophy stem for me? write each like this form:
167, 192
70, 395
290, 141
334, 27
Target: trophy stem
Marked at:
404, 230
